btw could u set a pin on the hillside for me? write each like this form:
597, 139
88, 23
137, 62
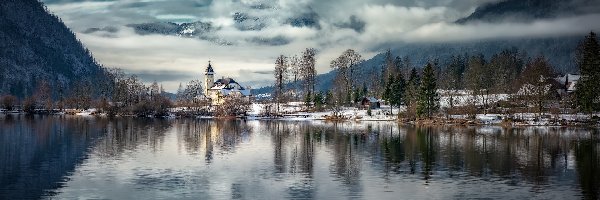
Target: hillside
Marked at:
36, 46
527, 10
560, 51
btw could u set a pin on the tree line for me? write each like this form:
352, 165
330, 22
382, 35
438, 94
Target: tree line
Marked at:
469, 84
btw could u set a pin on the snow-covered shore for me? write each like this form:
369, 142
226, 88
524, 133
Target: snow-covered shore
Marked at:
296, 111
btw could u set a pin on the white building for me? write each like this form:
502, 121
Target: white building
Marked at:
568, 83
216, 91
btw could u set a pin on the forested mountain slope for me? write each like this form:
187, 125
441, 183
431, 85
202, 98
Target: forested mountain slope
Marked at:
36, 46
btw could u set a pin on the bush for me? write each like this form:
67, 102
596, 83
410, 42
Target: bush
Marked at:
29, 105
8, 102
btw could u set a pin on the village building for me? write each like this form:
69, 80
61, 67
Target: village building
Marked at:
217, 91
370, 102
567, 83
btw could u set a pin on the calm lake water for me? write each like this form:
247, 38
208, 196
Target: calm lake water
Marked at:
66, 157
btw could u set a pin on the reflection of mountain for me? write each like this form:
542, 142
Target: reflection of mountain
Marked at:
37, 153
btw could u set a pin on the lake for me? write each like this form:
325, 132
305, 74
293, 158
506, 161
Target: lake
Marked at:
68, 157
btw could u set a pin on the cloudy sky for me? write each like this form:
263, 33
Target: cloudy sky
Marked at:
243, 37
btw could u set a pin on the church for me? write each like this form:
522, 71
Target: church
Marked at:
216, 91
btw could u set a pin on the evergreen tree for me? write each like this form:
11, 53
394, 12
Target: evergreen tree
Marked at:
428, 99
318, 99
588, 59
329, 100
411, 92
388, 91
398, 89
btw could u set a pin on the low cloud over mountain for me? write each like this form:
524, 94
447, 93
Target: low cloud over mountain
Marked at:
249, 34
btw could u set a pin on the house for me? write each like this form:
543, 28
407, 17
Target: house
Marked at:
567, 83
370, 102
217, 91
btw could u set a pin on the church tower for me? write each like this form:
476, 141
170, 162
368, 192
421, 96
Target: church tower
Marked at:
209, 78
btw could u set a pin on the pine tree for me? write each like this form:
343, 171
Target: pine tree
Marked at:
411, 92
428, 99
398, 87
588, 59
388, 91
394, 91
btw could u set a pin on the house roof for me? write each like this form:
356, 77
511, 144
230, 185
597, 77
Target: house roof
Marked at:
225, 81
568, 81
371, 99
228, 85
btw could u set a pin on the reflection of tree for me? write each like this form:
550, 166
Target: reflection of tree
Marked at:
205, 135
293, 155
346, 161
587, 159
427, 144
123, 134
37, 152
279, 134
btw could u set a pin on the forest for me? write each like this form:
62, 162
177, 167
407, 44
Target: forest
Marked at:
469, 84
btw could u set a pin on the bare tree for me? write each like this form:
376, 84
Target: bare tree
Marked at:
8, 102
536, 83
234, 104
389, 68
281, 71
294, 69
193, 93
346, 65
43, 95
478, 80
308, 72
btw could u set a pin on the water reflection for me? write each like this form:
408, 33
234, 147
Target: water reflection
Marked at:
63, 157
37, 153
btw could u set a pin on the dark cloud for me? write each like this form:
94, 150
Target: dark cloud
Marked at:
136, 5
245, 22
198, 30
108, 29
163, 28
309, 18
355, 24
271, 41
70, 1
263, 72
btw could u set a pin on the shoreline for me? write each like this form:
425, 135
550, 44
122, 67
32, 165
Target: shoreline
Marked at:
422, 122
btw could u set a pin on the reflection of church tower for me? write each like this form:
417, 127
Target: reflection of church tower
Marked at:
209, 78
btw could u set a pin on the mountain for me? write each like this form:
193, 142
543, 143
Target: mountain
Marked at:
206, 31
528, 10
560, 51
36, 46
